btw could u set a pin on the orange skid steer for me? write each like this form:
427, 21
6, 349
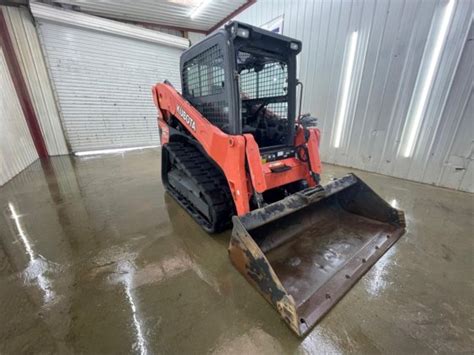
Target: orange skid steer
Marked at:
234, 150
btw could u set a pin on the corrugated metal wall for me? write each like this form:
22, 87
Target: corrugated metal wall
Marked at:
102, 80
392, 39
28, 52
17, 149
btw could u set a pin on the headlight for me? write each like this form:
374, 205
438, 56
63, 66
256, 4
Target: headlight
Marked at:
243, 32
294, 46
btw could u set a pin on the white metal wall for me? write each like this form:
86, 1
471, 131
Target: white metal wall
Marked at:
28, 52
102, 78
392, 36
17, 149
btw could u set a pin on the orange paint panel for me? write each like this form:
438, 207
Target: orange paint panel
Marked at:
227, 151
254, 161
165, 131
299, 136
313, 148
291, 162
296, 173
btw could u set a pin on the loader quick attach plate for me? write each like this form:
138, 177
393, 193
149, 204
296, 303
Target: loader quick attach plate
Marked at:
306, 251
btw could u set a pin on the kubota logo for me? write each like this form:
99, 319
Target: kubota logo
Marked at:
189, 121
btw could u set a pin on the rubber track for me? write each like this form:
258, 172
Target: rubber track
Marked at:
212, 182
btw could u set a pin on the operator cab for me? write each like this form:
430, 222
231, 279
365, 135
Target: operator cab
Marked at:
243, 80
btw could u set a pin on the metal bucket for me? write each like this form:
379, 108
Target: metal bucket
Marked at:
305, 252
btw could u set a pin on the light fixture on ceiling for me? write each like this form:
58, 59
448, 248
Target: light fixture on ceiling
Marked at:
346, 83
198, 9
423, 87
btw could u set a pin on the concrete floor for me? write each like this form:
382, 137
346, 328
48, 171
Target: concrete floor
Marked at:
96, 258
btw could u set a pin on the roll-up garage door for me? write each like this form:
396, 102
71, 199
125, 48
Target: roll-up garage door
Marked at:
102, 73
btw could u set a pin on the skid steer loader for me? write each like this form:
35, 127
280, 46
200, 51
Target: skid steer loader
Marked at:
234, 150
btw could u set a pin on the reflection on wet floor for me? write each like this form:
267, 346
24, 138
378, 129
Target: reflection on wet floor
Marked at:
95, 258
37, 266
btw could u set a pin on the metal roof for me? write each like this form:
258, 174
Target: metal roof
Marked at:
75, 18
170, 13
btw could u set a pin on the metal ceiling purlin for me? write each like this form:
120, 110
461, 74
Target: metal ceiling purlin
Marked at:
232, 15
162, 12
74, 18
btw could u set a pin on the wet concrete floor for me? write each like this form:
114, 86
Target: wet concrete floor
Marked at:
96, 258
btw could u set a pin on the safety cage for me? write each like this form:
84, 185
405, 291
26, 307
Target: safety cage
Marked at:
243, 80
